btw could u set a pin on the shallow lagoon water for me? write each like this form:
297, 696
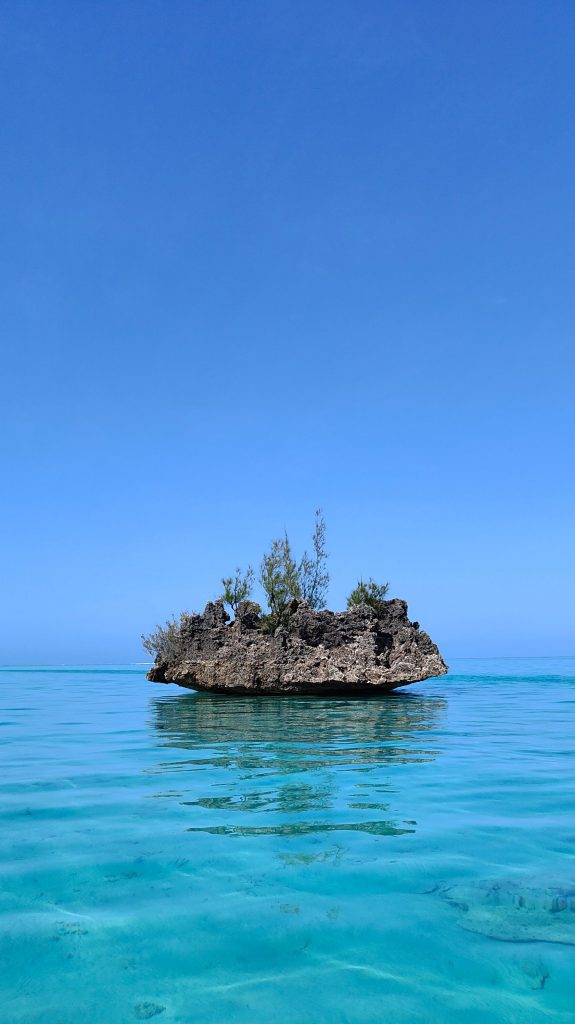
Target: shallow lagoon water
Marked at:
183, 857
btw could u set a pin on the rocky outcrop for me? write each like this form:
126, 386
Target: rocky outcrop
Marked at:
360, 651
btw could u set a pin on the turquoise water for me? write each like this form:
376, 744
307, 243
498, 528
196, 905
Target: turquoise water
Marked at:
186, 858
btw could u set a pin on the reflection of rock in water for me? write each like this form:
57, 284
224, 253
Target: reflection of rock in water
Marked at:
515, 912
280, 758
199, 720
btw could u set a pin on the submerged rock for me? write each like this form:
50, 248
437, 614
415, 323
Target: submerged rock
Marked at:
515, 912
360, 651
145, 1011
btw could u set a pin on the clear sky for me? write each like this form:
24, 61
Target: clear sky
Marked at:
263, 256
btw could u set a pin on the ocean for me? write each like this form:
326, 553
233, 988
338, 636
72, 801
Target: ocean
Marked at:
190, 858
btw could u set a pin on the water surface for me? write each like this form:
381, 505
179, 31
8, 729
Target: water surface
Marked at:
187, 858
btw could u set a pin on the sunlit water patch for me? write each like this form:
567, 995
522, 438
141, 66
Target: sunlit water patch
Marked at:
186, 857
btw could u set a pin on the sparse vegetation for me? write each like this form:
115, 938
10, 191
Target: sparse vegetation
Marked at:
312, 572
370, 593
162, 642
237, 588
284, 580
279, 578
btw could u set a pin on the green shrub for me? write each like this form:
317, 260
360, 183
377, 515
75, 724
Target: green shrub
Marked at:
370, 593
237, 588
284, 579
313, 576
279, 578
163, 641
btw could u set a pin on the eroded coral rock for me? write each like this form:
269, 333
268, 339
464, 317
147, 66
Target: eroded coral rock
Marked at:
360, 651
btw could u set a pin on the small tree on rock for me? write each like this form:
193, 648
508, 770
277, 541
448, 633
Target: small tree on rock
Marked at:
312, 572
237, 588
163, 641
370, 593
279, 577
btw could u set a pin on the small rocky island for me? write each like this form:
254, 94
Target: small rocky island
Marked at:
356, 652
297, 646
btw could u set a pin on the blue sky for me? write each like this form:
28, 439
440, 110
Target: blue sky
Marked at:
264, 256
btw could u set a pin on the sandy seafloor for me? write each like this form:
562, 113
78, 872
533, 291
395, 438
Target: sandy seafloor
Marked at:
190, 858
